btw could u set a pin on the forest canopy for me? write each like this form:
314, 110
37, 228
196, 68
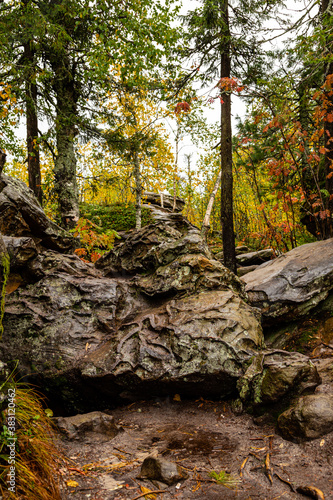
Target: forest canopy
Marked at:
110, 94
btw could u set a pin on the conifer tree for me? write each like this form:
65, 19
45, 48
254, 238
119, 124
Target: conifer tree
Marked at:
223, 45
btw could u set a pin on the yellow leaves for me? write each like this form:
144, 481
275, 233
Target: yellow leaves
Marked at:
148, 496
72, 484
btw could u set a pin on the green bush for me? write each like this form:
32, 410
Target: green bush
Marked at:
120, 217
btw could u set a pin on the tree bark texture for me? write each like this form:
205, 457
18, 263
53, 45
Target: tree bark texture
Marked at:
138, 190
65, 165
227, 221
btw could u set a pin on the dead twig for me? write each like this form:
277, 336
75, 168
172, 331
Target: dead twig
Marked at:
122, 451
268, 469
286, 482
77, 470
149, 493
242, 466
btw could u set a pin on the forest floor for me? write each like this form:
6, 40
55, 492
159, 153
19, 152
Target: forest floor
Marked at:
204, 436
201, 436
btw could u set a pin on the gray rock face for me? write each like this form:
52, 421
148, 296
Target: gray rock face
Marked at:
179, 325
191, 344
255, 258
153, 246
292, 284
159, 469
20, 250
275, 376
189, 272
49, 323
310, 418
21, 215
95, 424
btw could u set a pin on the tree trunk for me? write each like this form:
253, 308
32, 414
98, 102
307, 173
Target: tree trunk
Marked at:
65, 184
206, 221
175, 171
35, 182
138, 190
227, 222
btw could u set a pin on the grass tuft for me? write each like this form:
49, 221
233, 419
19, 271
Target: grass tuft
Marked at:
37, 459
225, 479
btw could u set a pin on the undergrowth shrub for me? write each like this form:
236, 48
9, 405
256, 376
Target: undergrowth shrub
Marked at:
36, 459
94, 240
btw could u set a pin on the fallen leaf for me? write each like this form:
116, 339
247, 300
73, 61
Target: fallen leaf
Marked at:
147, 490
311, 491
72, 484
322, 442
176, 397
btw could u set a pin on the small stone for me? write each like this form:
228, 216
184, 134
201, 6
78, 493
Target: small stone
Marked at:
310, 418
159, 469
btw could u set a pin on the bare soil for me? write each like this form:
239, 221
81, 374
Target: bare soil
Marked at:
201, 436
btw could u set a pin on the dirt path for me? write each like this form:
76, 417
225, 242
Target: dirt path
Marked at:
201, 436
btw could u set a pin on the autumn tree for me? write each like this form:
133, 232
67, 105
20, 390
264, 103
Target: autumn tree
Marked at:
219, 45
78, 44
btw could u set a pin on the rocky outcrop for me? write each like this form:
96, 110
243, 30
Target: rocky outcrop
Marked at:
22, 216
156, 316
292, 284
159, 315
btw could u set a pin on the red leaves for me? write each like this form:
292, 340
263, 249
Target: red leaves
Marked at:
230, 84
182, 106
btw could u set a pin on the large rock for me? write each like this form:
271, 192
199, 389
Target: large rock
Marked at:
310, 418
277, 376
153, 246
49, 324
21, 215
91, 339
192, 345
292, 284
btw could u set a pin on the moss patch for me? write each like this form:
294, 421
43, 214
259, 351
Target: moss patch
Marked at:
120, 217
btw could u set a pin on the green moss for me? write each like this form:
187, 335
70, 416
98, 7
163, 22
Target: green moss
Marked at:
257, 388
119, 217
